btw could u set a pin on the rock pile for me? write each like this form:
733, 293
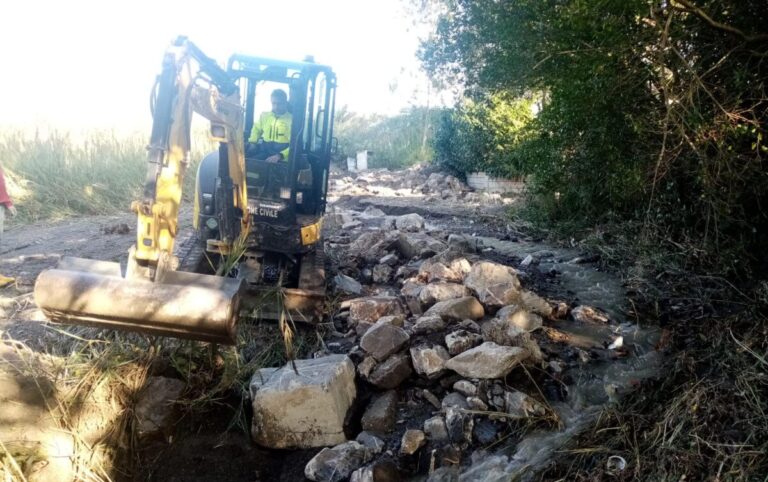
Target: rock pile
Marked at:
443, 342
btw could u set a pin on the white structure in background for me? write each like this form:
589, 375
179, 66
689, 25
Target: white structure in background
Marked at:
359, 163
483, 182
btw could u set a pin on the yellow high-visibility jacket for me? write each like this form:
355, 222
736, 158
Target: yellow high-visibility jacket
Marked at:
273, 128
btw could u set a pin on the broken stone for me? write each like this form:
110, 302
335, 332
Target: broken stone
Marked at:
371, 442
429, 361
373, 308
476, 404
519, 317
412, 441
363, 246
431, 398
409, 222
380, 415
469, 325
461, 341
410, 292
392, 372
459, 426
495, 285
527, 261
372, 212
366, 366
488, 360
458, 309
437, 292
418, 245
337, 463
351, 225
519, 405
461, 266
503, 333
534, 303
305, 409
466, 388
382, 273
345, 284
428, 324
362, 327
435, 429
395, 320
432, 271
455, 400
464, 244
485, 431
383, 339
155, 412
378, 471
588, 314
389, 260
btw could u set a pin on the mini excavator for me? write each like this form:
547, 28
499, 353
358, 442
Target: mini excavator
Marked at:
257, 229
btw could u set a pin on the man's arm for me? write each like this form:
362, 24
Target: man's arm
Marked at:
257, 130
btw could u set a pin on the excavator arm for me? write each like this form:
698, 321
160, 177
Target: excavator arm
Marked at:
149, 295
189, 82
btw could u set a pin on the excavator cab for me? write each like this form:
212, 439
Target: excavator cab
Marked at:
258, 223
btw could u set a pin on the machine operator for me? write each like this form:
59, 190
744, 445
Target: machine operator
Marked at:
271, 133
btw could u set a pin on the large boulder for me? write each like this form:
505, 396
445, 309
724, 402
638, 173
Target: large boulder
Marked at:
305, 409
337, 463
488, 360
458, 309
495, 285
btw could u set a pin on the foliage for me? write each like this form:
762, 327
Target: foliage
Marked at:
654, 111
484, 135
397, 141
58, 174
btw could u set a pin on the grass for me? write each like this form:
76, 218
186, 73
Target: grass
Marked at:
56, 174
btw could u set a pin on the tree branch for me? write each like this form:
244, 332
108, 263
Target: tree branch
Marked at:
718, 25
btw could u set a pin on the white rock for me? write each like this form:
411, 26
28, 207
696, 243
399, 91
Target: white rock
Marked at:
412, 441
458, 309
494, 284
303, 410
519, 317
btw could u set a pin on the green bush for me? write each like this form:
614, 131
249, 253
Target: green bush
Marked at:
484, 135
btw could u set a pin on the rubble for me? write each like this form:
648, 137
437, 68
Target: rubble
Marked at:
458, 309
373, 308
383, 339
409, 223
380, 415
337, 463
418, 245
494, 285
429, 324
488, 360
588, 314
345, 284
392, 372
155, 412
520, 318
435, 429
461, 341
412, 441
429, 361
378, 471
441, 291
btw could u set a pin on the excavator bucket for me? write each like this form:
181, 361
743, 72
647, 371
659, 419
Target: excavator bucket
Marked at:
182, 305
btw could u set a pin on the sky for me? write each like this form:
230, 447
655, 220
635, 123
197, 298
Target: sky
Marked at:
91, 64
